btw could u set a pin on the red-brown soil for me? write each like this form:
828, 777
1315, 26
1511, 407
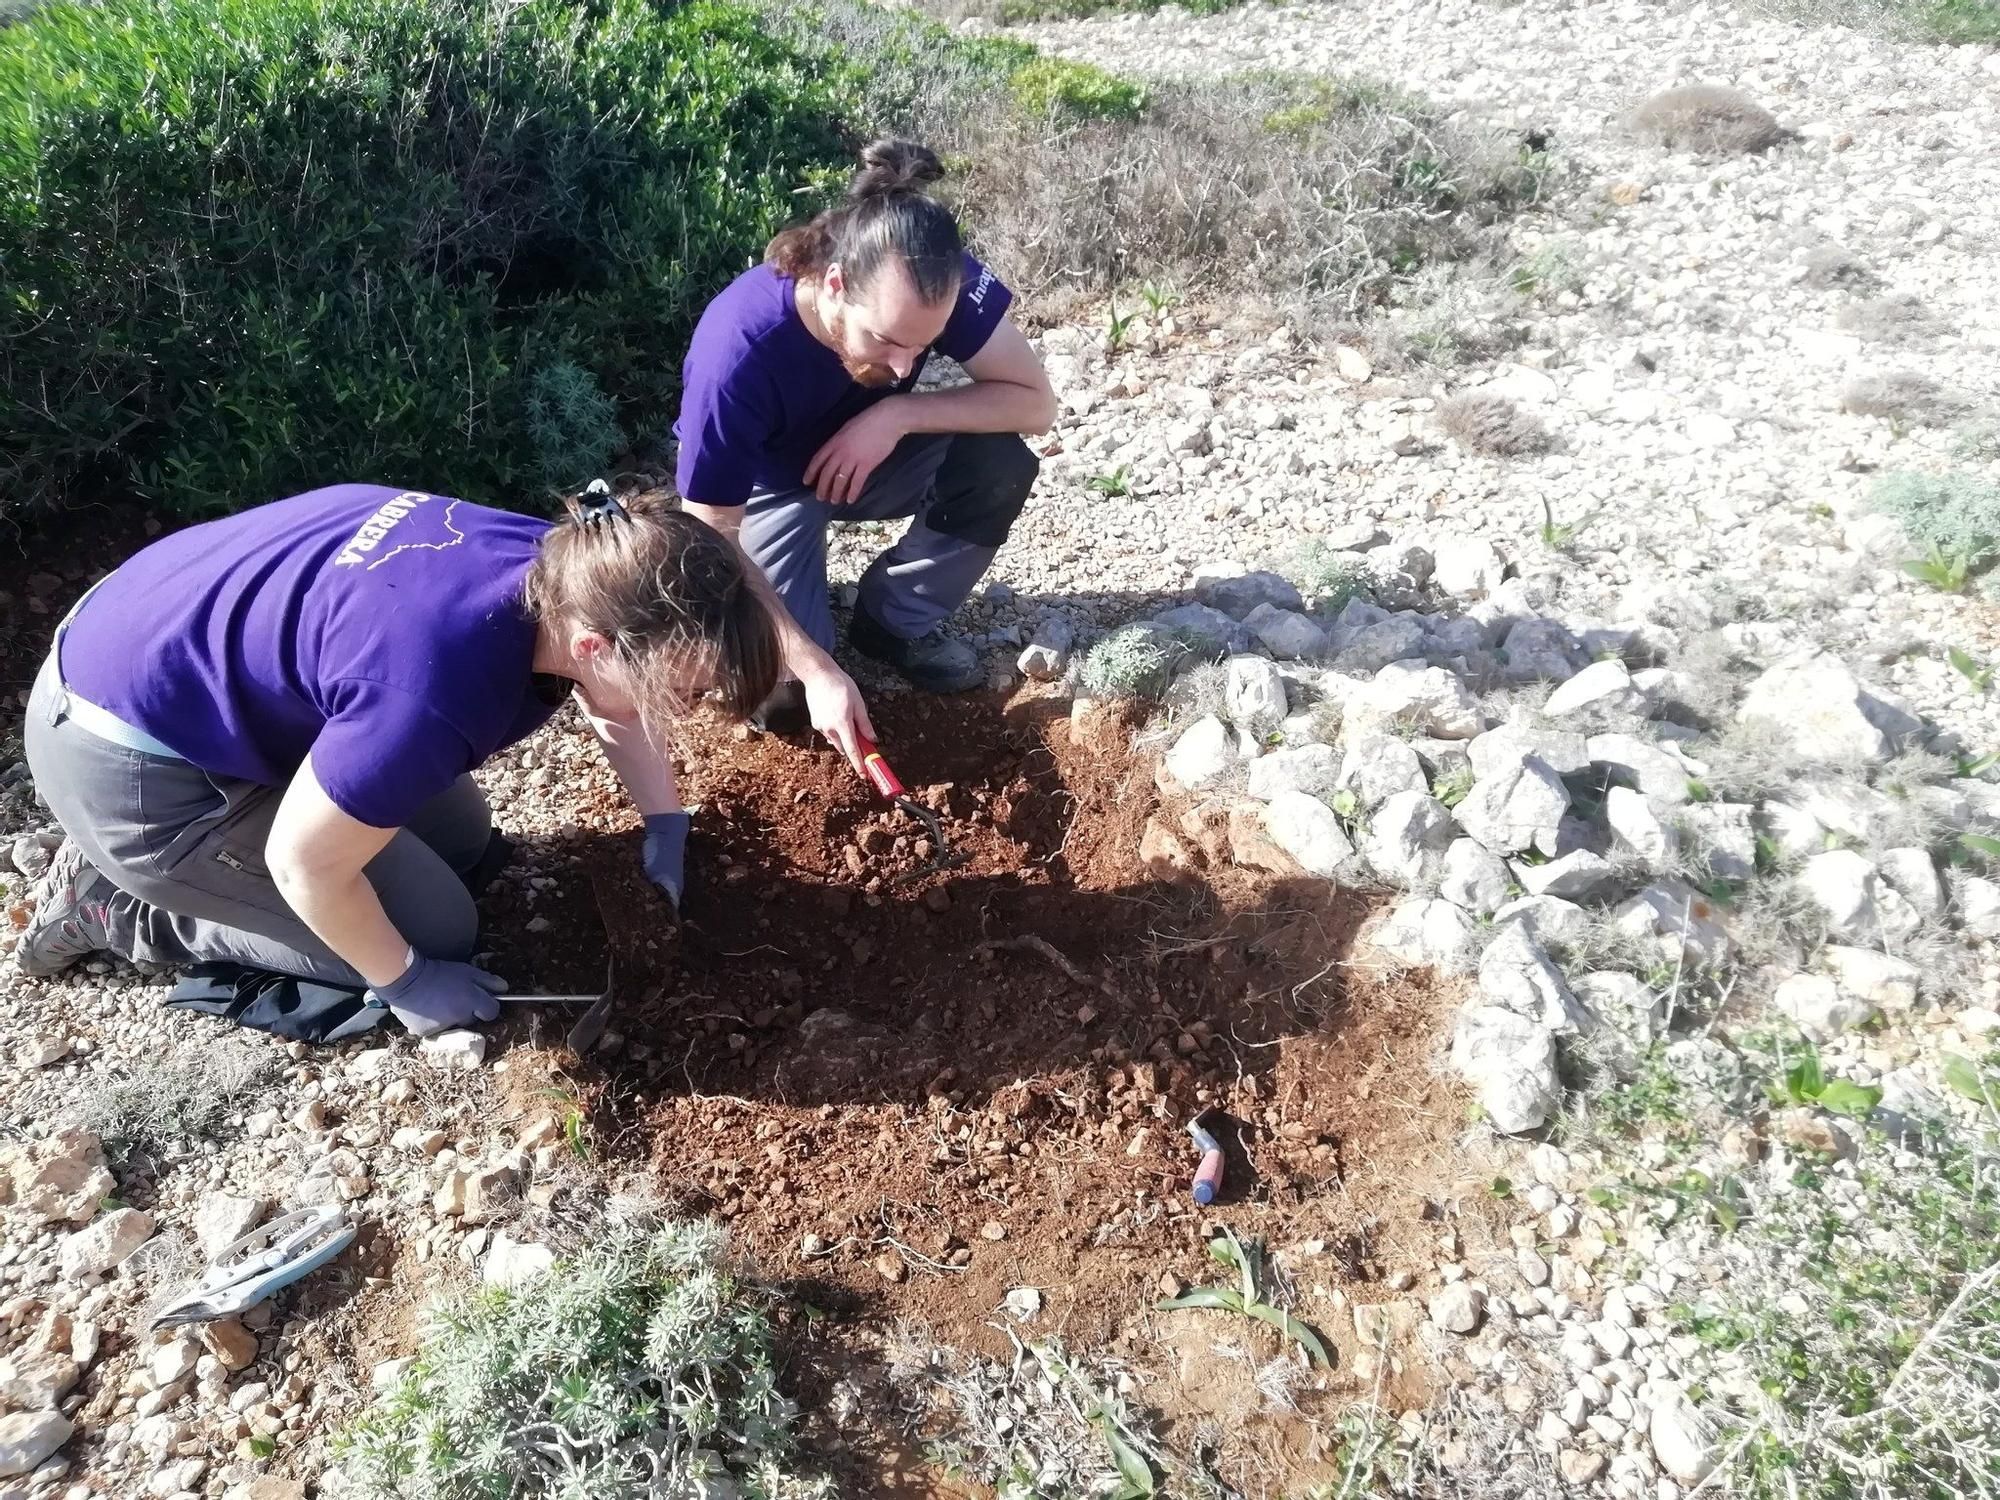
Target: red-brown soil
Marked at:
905, 1118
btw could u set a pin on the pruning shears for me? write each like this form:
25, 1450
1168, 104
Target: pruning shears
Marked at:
885, 781
267, 1259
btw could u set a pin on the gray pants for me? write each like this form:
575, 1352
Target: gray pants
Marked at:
964, 491
186, 852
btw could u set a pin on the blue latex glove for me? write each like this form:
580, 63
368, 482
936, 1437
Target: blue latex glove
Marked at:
435, 994
665, 854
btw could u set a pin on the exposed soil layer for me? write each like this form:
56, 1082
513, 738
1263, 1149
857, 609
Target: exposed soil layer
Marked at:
911, 1091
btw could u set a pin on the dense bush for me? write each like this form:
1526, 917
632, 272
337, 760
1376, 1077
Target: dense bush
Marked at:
253, 246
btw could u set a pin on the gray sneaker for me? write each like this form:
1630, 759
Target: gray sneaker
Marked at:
70, 920
934, 662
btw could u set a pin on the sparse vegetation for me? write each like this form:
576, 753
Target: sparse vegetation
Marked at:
638, 1367
166, 1108
1366, 186
1847, 1332
1556, 535
1708, 119
1112, 484
1248, 1297
1482, 422
1896, 317
1902, 396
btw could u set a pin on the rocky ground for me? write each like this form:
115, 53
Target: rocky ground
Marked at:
1567, 711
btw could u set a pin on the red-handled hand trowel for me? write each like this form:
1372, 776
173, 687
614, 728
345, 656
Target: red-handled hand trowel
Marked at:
884, 779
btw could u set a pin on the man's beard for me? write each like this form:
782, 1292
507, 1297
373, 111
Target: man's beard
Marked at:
871, 375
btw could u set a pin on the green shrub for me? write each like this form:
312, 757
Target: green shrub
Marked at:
637, 1368
252, 248
1056, 86
1958, 514
573, 425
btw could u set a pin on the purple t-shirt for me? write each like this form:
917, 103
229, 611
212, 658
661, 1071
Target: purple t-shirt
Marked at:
760, 394
379, 629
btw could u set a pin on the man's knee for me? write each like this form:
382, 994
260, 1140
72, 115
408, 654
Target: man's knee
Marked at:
983, 486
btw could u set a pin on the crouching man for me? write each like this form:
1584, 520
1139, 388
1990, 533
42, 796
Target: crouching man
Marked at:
799, 409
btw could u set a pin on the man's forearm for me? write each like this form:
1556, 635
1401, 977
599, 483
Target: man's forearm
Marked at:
982, 406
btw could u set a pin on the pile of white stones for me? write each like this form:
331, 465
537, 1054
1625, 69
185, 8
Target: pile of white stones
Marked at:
1514, 835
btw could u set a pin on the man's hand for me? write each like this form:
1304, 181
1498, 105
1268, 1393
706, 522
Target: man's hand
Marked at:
666, 853
834, 704
839, 472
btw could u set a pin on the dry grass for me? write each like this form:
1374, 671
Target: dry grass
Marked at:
1482, 422
1897, 317
1314, 194
1708, 119
1836, 265
1903, 396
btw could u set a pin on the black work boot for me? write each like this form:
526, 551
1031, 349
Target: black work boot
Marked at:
934, 662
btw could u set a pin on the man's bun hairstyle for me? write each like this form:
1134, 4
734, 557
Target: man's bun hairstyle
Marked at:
893, 166
886, 216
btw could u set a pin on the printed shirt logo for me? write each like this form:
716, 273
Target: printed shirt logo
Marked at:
977, 296
381, 526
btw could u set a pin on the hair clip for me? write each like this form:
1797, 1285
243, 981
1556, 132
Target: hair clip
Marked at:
597, 506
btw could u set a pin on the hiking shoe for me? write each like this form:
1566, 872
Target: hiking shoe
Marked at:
935, 662
784, 711
70, 920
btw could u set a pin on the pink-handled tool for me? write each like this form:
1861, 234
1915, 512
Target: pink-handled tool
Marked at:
1208, 1175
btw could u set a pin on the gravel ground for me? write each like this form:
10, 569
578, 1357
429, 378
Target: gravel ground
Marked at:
1686, 358
1677, 344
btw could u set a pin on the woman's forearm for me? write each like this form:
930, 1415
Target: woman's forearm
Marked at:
345, 913
645, 768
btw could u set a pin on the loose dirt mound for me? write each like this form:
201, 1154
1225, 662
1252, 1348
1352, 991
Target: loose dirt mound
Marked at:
916, 1091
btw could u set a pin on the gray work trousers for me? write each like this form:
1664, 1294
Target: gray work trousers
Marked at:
963, 491
186, 853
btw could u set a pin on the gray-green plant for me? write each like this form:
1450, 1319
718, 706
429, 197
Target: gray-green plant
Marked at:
1328, 577
638, 1367
1248, 1297
1135, 661
572, 424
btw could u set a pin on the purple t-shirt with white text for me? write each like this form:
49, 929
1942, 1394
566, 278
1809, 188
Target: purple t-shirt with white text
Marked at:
760, 394
381, 630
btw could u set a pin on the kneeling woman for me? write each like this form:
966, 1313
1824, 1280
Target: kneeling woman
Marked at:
256, 733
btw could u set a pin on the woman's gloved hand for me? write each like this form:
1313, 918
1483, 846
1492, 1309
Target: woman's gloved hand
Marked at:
666, 853
436, 994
